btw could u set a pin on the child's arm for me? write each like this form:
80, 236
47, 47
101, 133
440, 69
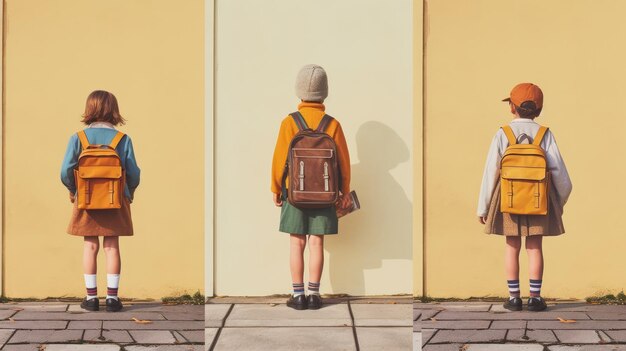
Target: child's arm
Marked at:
70, 162
343, 157
490, 175
558, 171
132, 170
280, 157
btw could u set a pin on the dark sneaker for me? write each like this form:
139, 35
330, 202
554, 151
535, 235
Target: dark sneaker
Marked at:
314, 301
92, 304
514, 304
297, 302
114, 305
536, 304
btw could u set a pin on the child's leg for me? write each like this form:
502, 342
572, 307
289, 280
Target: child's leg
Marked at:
296, 262
511, 263
534, 249
316, 262
90, 255
114, 264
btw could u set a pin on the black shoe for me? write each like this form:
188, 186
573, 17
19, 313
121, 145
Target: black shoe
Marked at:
114, 305
297, 302
536, 304
314, 301
514, 304
92, 304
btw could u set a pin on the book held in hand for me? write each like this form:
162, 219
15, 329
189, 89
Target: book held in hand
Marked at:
347, 204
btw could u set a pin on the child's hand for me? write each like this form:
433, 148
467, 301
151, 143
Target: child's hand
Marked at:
72, 197
482, 220
277, 200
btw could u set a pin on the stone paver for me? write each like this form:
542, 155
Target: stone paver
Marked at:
382, 315
209, 335
153, 336
165, 348
157, 325
74, 347
384, 338
45, 336
577, 336
283, 316
417, 341
588, 348
108, 336
594, 327
540, 336
505, 347
286, 339
442, 347
214, 314
468, 336
67, 327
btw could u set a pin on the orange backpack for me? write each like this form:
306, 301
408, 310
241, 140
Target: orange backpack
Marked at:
99, 177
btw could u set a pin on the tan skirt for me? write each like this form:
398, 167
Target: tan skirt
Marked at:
524, 225
101, 222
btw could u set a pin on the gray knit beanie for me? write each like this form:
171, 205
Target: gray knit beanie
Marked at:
312, 84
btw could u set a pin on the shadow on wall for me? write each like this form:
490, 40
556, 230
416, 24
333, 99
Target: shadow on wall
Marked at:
382, 228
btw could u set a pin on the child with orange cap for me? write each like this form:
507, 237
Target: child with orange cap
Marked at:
525, 103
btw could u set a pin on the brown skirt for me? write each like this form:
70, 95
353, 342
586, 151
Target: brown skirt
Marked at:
524, 225
101, 222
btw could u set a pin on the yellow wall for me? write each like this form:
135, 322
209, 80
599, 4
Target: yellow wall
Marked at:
477, 51
366, 48
148, 53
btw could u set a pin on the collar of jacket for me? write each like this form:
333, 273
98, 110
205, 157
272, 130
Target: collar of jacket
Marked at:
312, 105
101, 125
523, 120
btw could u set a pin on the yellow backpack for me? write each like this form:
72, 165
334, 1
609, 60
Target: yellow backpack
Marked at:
99, 177
524, 179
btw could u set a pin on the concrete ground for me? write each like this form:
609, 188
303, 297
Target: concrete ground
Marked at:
63, 326
484, 326
342, 324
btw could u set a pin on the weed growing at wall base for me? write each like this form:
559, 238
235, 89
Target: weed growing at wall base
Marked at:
185, 299
609, 299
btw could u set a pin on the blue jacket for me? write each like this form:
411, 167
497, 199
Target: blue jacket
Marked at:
101, 136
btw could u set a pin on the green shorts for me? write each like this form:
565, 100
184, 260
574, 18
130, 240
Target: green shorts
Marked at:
316, 221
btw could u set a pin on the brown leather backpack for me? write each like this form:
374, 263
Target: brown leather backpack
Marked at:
99, 177
311, 166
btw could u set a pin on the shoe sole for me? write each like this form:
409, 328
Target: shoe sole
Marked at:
299, 308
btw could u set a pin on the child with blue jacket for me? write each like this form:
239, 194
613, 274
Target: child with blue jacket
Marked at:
101, 117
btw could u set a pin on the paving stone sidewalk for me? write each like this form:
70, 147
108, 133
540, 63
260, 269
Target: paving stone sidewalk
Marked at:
484, 326
57, 326
258, 324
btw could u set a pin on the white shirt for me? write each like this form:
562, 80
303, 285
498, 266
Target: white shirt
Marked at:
525, 131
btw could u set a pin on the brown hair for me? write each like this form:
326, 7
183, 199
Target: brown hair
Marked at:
101, 106
528, 109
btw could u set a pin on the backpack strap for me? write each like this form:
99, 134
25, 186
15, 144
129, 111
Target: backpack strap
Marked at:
116, 140
509, 135
300, 122
324, 124
84, 142
540, 134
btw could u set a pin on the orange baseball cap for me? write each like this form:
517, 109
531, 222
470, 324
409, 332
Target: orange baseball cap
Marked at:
526, 92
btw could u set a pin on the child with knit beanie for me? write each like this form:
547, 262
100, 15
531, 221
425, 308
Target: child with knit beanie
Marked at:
308, 225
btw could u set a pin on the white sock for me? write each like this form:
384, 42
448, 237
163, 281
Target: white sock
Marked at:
113, 283
91, 285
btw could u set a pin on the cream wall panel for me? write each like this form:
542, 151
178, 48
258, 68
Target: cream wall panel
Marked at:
148, 53
366, 48
476, 52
